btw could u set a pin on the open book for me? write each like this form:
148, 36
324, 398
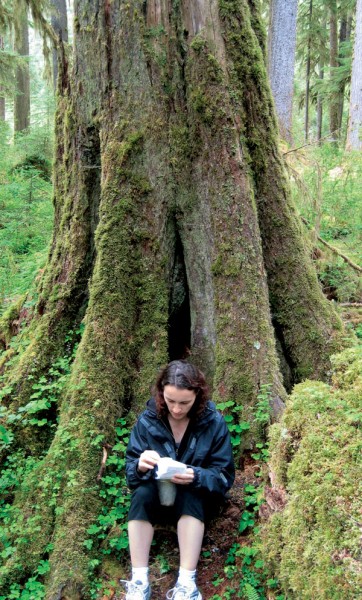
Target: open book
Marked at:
167, 468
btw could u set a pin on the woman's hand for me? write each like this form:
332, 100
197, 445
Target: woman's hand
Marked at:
147, 460
184, 478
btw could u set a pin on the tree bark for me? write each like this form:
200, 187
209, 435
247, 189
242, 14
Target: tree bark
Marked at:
343, 32
333, 62
307, 75
354, 137
320, 105
2, 107
59, 22
22, 98
281, 59
170, 196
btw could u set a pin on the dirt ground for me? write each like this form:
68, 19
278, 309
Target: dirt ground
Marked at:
220, 535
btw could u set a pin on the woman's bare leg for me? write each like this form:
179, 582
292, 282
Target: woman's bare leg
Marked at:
190, 533
140, 535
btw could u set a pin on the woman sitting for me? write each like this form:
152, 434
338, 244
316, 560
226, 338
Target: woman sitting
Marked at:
181, 423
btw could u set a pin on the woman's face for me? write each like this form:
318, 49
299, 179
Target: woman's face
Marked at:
179, 401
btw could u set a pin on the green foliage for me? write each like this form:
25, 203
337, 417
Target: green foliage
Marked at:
15, 530
10, 21
236, 428
26, 211
109, 532
37, 478
47, 389
244, 563
252, 503
313, 545
327, 187
24, 475
313, 42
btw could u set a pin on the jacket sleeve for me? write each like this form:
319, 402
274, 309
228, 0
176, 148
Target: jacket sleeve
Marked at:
218, 474
138, 442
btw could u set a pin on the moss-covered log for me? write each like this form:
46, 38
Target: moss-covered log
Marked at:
174, 236
312, 540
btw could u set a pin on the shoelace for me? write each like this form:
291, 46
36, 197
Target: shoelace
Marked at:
134, 588
179, 592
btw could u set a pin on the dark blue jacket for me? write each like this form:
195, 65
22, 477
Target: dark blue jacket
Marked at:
208, 449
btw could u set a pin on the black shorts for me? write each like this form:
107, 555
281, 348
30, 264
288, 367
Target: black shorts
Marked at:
146, 506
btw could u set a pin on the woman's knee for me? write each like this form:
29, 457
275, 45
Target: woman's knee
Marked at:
145, 493
144, 503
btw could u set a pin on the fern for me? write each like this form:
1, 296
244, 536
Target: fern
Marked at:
251, 593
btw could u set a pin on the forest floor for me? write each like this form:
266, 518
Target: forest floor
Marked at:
220, 535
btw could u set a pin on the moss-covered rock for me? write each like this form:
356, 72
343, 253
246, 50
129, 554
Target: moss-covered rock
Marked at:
313, 545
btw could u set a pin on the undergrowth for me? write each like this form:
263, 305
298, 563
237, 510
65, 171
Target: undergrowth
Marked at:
327, 188
245, 573
26, 211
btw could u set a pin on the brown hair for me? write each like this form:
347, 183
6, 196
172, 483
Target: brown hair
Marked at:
184, 376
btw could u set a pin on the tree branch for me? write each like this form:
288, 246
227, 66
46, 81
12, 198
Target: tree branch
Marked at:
104, 460
335, 250
316, 142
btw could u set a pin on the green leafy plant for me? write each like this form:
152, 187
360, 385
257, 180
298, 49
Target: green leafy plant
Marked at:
109, 532
235, 427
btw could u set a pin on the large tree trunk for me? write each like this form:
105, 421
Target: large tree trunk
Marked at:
281, 58
354, 135
22, 98
172, 204
59, 21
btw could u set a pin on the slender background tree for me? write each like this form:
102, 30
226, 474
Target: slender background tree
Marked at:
324, 53
21, 46
59, 22
354, 137
281, 59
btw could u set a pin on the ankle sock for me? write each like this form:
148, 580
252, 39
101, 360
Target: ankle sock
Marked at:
140, 574
186, 578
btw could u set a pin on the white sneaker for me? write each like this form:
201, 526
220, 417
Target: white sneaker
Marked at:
181, 592
136, 590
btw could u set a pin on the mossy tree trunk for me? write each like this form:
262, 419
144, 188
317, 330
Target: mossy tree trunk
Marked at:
174, 235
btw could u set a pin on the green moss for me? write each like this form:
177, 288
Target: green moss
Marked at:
198, 43
9, 321
313, 545
296, 298
129, 144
